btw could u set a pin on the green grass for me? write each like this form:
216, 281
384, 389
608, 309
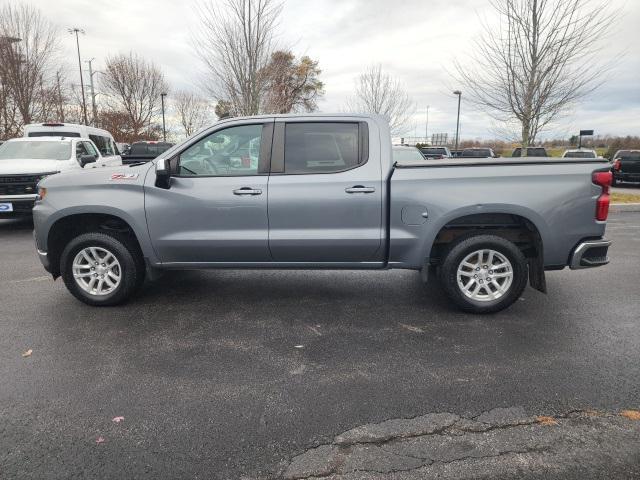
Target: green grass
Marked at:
617, 197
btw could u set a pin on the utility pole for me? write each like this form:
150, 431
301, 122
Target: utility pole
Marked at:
426, 127
459, 94
76, 31
164, 130
59, 105
94, 108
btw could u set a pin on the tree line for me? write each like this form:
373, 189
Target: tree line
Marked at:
528, 68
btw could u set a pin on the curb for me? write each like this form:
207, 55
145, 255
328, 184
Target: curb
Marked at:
624, 207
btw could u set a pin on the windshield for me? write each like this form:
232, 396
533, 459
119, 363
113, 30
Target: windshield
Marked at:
406, 154
36, 150
583, 154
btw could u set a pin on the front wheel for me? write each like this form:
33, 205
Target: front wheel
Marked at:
484, 273
102, 269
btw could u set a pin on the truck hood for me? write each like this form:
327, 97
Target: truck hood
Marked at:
32, 166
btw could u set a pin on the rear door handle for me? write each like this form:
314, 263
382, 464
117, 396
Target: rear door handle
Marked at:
247, 191
360, 189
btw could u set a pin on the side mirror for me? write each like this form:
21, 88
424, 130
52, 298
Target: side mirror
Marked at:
86, 159
163, 173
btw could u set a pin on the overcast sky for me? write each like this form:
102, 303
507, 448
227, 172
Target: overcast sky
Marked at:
415, 40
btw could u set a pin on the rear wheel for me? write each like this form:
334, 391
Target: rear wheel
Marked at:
484, 273
102, 268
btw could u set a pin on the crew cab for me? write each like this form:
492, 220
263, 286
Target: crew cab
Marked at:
26, 161
323, 192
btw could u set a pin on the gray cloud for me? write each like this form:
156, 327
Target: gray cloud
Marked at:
416, 40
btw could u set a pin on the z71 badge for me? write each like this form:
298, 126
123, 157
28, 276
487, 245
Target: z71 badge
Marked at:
124, 176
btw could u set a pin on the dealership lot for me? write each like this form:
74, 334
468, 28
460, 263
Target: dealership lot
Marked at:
238, 372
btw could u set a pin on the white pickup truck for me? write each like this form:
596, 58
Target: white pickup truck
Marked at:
25, 161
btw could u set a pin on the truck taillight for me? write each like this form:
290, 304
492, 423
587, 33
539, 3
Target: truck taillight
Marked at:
617, 165
603, 179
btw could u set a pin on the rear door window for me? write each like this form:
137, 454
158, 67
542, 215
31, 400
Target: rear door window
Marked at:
104, 144
321, 147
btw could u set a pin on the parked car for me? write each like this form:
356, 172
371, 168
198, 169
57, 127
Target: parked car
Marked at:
626, 166
145, 151
478, 153
322, 192
25, 161
101, 138
531, 152
580, 153
435, 152
406, 153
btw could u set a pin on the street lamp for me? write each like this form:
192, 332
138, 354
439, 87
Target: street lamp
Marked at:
76, 31
426, 127
164, 130
459, 94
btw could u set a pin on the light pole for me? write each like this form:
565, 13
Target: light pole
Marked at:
164, 131
76, 31
426, 127
94, 108
459, 94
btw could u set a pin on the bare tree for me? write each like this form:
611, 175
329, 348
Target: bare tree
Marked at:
378, 92
193, 111
537, 62
29, 44
133, 86
235, 42
291, 85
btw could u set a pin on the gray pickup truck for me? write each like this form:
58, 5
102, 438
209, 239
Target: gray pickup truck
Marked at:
323, 192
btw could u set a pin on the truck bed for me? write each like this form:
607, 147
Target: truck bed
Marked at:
556, 195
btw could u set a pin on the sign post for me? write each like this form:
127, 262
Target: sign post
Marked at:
586, 133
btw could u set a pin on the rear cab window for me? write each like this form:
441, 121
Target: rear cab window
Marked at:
323, 147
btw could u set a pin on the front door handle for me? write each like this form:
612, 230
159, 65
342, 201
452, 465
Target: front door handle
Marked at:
360, 189
247, 191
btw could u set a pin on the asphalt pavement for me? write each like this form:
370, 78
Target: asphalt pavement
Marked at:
258, 374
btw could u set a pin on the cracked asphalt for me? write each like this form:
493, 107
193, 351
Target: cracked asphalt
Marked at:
255, 374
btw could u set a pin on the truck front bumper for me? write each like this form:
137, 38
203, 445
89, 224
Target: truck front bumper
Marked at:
16, 205
590, 253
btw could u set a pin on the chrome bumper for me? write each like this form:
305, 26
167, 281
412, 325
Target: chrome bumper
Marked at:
589, 254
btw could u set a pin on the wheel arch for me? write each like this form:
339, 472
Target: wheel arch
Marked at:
521, 226
68, 226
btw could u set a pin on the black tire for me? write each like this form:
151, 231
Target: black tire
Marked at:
459, 250
128, 255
